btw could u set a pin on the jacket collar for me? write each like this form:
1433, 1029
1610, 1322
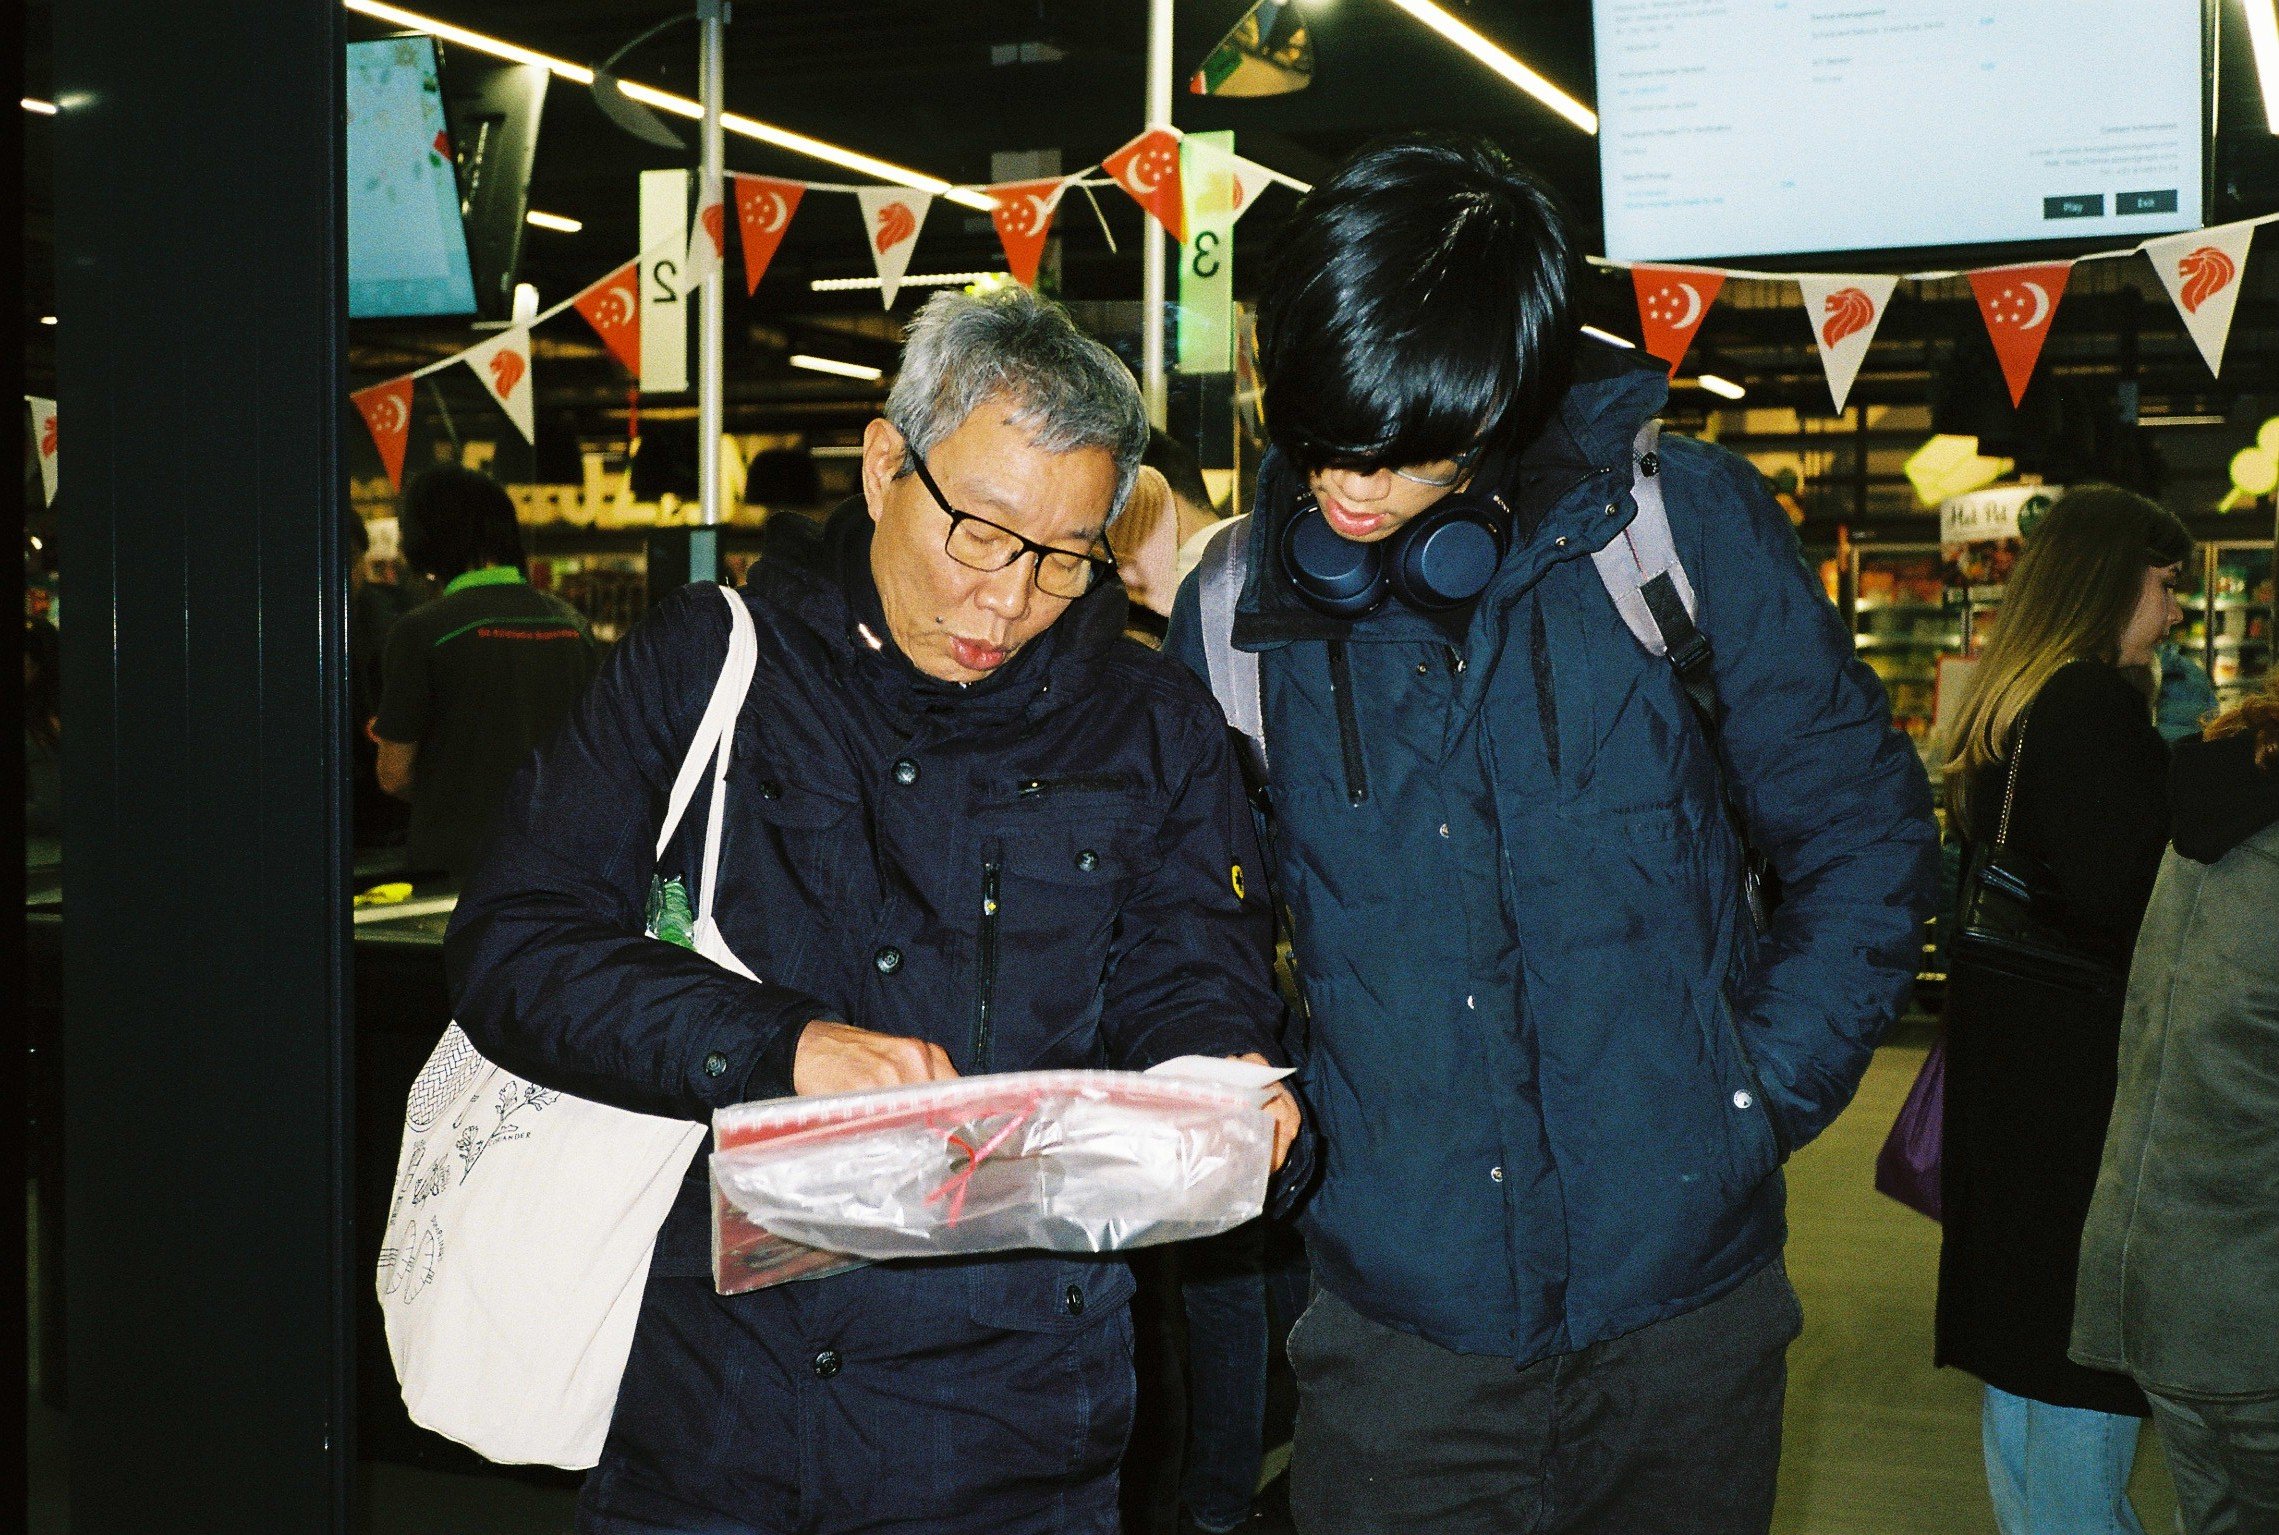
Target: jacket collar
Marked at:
820, 574
2220, 798
1586, 443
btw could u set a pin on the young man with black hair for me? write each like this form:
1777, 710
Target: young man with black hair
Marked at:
1555, 1063
474, 679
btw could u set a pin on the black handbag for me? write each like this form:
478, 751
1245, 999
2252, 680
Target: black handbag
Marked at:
2006, 925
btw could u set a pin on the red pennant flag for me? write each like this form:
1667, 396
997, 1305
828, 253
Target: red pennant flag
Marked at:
763, 212
1148, 168
1672, 302
1023, 217
613, 308
2018, 303
386, 409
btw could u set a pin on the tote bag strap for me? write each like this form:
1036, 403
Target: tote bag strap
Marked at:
714, 733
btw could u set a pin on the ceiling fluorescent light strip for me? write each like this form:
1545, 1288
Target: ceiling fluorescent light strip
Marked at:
1720, 386
1504, 64
868, 375
2263, 33
43, 108
1610, 337
680, 106
914, 280
554, 221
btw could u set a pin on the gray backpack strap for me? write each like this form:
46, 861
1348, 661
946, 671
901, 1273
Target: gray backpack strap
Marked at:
1234, 673
1642, 573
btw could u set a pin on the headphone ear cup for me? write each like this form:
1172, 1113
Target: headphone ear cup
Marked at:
1447, 556
1333, 574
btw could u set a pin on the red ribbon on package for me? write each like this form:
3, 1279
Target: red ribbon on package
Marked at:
763, 214
2018, 303
386, 409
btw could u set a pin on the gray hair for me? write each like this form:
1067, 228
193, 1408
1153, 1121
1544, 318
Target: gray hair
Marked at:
1068, 390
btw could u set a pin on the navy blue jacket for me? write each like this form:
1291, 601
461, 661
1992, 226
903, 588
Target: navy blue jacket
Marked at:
866, 806
1554, 1069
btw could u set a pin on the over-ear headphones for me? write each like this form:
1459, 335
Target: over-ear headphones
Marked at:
1444, 556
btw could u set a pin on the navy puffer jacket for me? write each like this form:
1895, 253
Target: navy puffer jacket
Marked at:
1554, 1068
867, 806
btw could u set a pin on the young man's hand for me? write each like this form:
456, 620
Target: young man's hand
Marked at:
840, 1058
1282, 1105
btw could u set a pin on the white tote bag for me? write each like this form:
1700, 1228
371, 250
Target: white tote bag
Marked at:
520, 1231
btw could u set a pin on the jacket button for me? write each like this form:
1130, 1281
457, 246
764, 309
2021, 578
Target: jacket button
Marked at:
827, 1364
1087, 860
905, 772
1496, 1173
715, 1064
1075, 1300
770, 789
1612, 510
888, 960
1444, 828
1743, 1099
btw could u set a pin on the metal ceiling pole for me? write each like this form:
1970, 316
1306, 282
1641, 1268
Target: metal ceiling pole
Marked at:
712, 18
1152, 251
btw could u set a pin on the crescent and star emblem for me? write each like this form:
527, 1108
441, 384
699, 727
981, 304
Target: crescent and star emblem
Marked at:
615, 308
2017, 301
391, 413
771, 213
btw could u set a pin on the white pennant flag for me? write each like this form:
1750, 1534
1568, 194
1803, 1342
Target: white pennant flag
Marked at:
1250, 179
503, 364
1844, 313
707, 242
43, 440
892, 217
2203, 269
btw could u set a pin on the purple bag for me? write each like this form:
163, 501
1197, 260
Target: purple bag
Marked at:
1907, 1168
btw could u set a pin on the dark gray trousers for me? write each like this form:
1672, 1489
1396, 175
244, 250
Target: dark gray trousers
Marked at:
1670, 1430
2224, 1459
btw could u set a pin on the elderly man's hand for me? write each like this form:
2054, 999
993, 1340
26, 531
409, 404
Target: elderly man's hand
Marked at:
1283, 1106
840, 1058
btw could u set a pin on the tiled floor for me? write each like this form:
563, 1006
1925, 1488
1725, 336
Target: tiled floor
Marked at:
1878, 1442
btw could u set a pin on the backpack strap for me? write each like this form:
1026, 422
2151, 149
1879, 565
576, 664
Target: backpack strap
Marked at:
1224, 567
1642, 573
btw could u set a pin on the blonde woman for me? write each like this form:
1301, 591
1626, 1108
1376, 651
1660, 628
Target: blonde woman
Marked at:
2063, 694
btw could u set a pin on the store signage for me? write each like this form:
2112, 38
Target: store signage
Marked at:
763, 214
893, 215
1844, 312
43, 438
2018, 303
1206, 257
1672, 302
2005, 511
503, 364
1023, 217
2202, 272
664, 257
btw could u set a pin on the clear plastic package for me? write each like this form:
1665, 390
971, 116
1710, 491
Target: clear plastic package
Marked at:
1070, 1161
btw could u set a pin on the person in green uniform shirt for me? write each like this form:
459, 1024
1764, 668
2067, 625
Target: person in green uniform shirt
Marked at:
475, 679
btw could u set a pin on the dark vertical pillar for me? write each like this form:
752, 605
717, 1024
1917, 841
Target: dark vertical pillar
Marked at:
200, 275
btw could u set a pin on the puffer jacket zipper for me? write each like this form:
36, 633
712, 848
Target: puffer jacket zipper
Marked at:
1348, 723
978, 1058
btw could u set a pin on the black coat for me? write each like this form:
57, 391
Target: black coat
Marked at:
2031, 1069
864, 804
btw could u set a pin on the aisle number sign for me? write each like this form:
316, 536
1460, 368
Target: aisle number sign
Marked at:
664, 312
1206, 261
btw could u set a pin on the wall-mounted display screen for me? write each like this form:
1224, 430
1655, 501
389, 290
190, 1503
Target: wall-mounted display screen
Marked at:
407, 240
1792, 127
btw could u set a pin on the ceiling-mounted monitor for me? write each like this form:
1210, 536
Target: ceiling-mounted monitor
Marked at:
1789, 128
407, 240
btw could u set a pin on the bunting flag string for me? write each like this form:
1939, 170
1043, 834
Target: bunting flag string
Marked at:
2202, 271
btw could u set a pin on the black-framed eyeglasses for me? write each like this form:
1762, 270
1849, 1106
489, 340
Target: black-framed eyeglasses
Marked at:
979, 544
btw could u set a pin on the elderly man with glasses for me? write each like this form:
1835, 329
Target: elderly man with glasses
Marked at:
969, 828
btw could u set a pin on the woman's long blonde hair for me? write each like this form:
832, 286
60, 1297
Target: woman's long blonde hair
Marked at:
2073, 592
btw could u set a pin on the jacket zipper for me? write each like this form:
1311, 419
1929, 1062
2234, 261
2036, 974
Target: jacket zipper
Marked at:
1348, 723
1546, 685
978, 1058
